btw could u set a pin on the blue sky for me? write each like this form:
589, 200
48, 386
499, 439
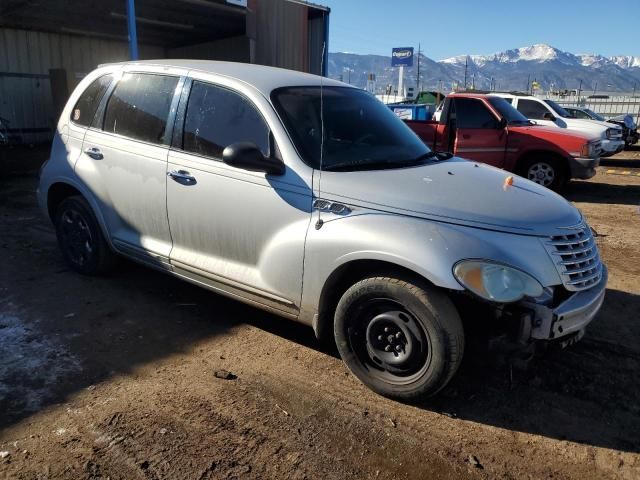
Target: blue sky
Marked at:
484, 27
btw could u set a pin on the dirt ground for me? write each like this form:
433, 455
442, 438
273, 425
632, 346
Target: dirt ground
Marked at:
114, 378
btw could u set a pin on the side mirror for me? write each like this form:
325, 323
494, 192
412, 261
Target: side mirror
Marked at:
549, 116
502, 124
247, 155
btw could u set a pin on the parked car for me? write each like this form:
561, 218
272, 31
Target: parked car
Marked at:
308, 198
549, 113
625, 121
438, 112
488, 129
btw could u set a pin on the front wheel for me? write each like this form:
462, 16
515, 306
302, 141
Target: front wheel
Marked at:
548, 172
402, 339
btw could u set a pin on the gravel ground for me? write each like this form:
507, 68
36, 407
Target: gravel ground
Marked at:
114, 377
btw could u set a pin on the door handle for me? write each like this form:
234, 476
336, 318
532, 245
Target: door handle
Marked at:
466, 136
181, 176
94, 152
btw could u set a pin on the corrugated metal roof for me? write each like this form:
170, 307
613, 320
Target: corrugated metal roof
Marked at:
311, 5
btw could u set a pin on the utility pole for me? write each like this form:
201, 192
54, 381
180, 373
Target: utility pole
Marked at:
595, 87
466, 63
418, 76
528, 79
580, 90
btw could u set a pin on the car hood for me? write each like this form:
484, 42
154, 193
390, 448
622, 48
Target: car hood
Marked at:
455, 191
595, 126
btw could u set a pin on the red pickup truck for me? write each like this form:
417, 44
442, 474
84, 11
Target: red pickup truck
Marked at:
487, 129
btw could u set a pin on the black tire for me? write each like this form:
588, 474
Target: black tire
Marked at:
550, 172
418, 322
80, 238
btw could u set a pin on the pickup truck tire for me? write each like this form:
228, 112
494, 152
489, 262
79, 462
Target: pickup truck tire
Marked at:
80, 238
550, 172
403, 339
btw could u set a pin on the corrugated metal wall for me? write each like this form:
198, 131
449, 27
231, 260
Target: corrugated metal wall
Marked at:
234, 49
279, 31
25, 60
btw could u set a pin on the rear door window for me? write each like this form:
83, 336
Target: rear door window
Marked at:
532, 109
86, 106
217, 117
139, 106
473, 113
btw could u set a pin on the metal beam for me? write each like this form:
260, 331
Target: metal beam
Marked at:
131, 30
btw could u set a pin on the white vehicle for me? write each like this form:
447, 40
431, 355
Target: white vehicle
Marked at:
438, 112
311, 199
549, 113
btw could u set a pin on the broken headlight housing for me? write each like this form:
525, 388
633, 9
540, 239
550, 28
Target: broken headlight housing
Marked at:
495, 281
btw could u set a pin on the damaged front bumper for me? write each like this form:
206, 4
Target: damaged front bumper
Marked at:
566, 320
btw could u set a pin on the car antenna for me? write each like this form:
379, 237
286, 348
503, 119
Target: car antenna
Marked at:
318, 204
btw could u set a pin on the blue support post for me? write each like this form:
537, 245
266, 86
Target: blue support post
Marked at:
325, 60
131, 30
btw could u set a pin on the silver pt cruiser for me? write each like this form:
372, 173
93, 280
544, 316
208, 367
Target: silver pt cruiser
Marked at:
309, 198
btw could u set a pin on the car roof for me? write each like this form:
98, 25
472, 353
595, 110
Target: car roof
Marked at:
468, 95
504, 95
263, 78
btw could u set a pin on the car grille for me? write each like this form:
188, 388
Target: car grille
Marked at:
597, 147
576, 257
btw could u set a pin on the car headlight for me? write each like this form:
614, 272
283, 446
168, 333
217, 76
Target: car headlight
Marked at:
609, 133
495, 281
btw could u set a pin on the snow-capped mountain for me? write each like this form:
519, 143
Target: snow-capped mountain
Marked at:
510, 69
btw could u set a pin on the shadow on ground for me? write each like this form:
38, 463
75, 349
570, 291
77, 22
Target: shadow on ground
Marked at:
596, 192
587, 394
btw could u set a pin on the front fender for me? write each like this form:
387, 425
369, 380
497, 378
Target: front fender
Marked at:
428, 248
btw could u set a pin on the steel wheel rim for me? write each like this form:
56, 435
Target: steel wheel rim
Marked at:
77, 237
389, 342
541, 173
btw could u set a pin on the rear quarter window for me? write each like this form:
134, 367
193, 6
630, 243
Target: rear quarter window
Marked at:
86, 106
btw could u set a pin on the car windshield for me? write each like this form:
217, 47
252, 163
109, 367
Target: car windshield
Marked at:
508, 112
558, 109
594, 115
360, 132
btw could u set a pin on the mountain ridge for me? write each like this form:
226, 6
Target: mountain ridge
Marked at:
510, 69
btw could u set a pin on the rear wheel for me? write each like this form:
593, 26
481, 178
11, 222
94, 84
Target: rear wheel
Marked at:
548, 172
80, 239
401, 339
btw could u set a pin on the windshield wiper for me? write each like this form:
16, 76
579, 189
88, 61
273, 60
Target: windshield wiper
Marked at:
346, 166
381, 165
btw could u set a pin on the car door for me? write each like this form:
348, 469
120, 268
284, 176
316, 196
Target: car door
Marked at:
237, 231
125, 160
534, 110
479, 134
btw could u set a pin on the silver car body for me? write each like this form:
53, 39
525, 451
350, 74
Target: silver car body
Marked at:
253, 236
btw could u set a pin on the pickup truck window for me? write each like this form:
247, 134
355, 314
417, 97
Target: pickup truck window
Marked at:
532, 109
360, 132
559, 110
472, 113
510, 114
217, 117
